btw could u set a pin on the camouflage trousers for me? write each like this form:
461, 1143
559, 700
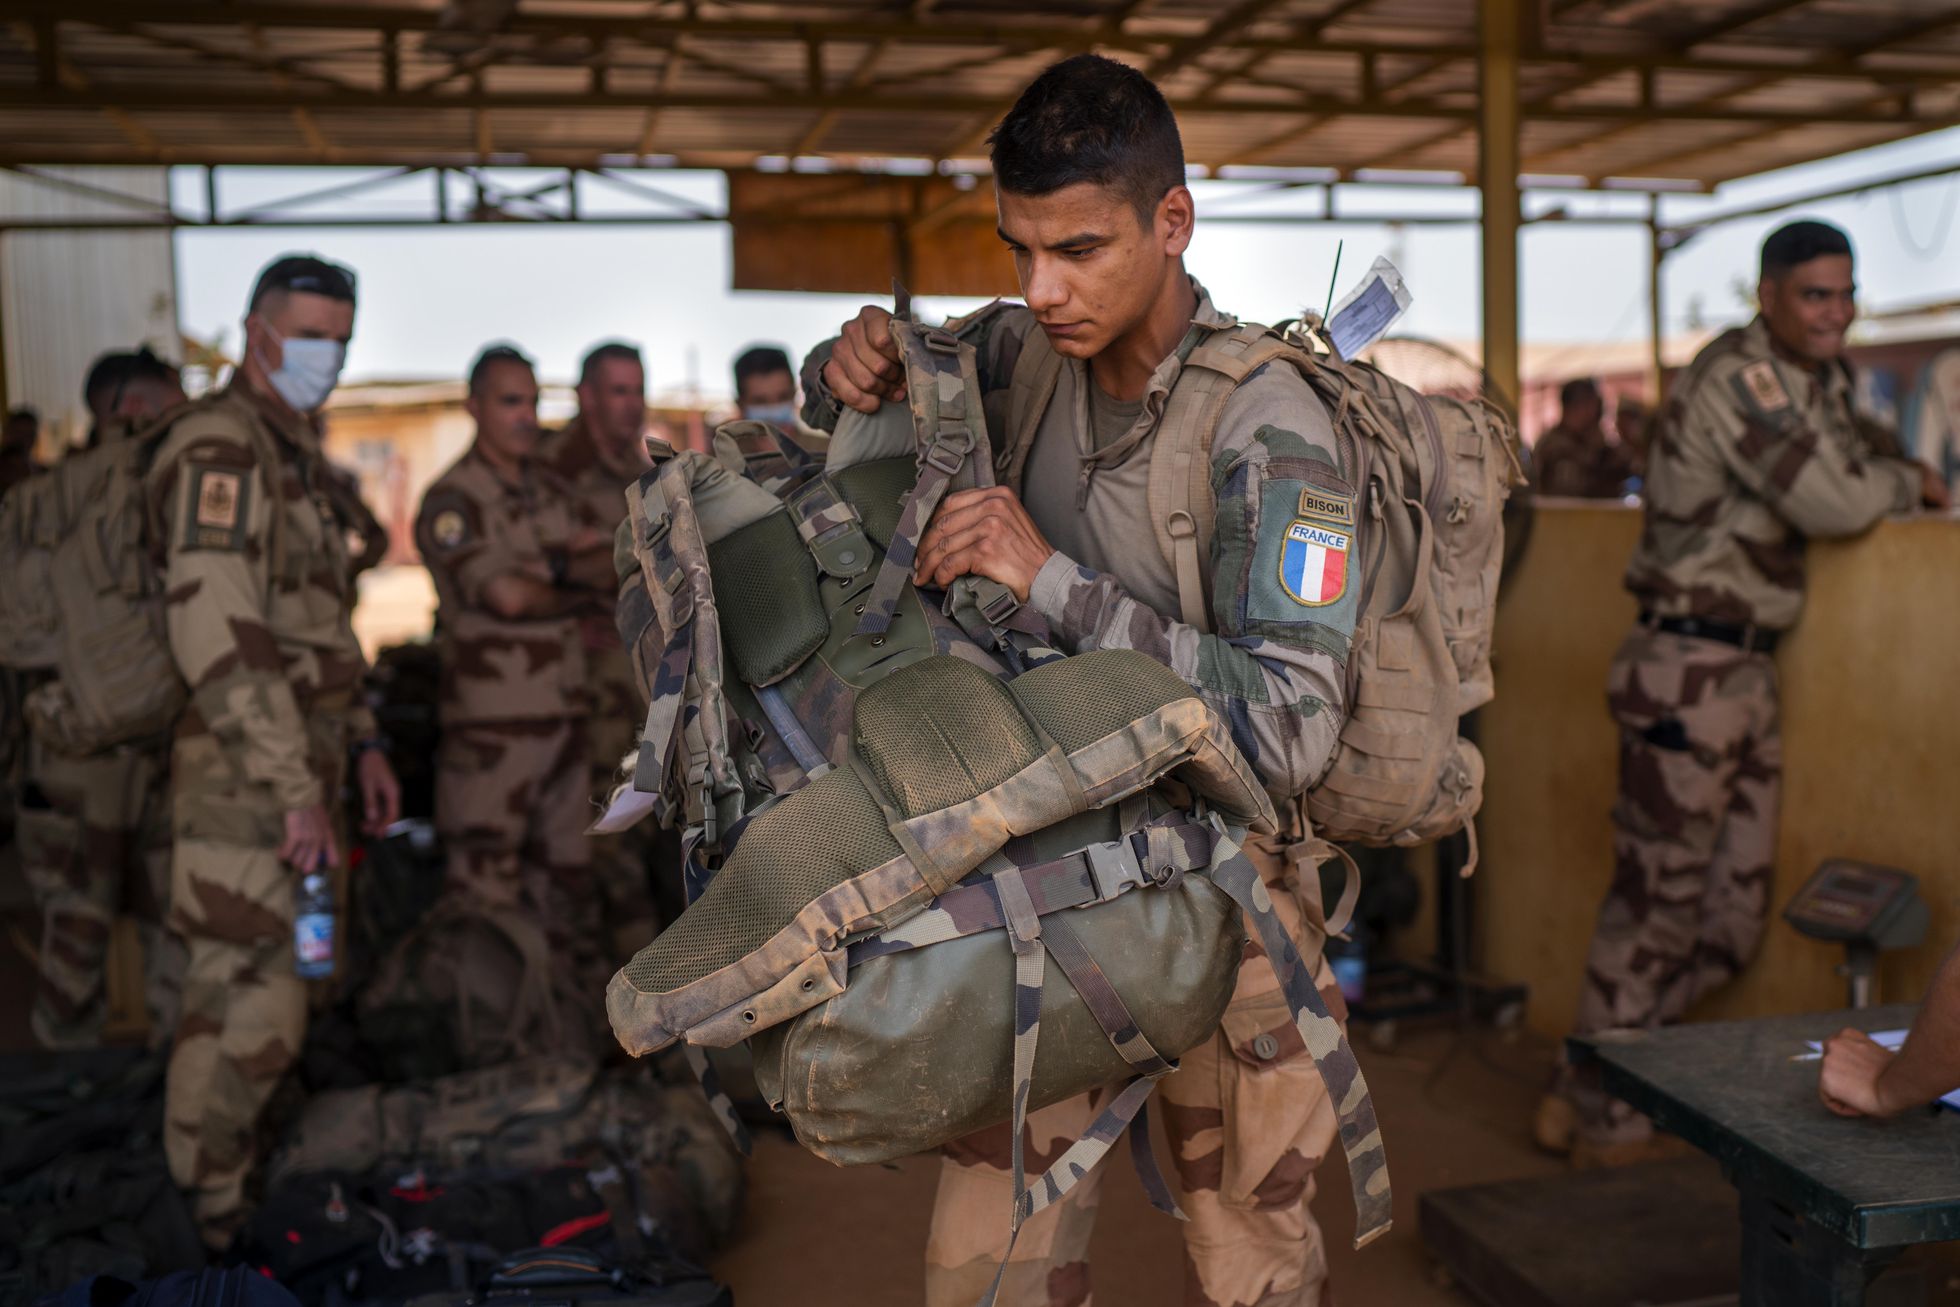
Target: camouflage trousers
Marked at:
244, 1013
512, 807
1247, 1119
94, 839
1694, 840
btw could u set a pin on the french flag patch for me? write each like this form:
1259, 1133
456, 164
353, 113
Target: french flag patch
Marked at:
1313, 563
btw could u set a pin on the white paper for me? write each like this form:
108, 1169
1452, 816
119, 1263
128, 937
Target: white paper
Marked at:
625, 809
1894, 1040
1369, 310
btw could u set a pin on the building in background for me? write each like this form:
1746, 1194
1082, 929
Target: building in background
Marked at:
68, 296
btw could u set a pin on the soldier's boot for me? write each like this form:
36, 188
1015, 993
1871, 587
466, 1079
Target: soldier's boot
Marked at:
1555, 1124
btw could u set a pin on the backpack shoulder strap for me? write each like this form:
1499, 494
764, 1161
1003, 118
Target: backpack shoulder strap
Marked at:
1033, 385
1181, 506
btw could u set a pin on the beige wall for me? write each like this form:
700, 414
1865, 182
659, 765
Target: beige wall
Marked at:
1871, 705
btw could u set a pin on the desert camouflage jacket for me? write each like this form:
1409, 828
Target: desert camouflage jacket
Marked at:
1275, 667
1753, 454
260, 591
472, 528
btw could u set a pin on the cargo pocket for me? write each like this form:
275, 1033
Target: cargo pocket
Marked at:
1270, 1091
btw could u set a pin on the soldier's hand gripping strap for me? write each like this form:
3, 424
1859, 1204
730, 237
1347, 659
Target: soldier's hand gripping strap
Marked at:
1354, 1108
942, 385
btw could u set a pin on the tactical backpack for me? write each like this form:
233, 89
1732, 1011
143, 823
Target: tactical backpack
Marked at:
1432, 475
82, 594
911, 804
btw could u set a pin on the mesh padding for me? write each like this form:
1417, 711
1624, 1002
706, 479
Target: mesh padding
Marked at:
772, 616
813, 841
876, 490
939, 732
1081, 699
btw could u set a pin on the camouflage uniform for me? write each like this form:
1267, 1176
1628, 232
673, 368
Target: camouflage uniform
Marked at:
1753, 455
343, 490
1247, 1116
259, 606
512, 770
622, 862
1581, 465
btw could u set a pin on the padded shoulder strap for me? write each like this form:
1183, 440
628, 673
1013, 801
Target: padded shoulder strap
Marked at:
1035, 375
1182, 508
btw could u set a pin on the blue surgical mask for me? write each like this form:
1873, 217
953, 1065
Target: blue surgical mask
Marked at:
776, 415
308, 371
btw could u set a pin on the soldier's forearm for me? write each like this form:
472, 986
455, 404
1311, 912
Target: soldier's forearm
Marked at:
1929, 1064
1281, 702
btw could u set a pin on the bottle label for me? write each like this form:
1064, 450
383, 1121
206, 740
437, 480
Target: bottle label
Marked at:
313, 941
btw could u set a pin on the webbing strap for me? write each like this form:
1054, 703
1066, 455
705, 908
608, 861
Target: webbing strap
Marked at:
718, 1099
1347, 1090
939, 463
1092, 875
1102, 1000
1030, 389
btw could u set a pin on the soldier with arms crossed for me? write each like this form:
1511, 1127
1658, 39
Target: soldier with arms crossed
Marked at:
1758, 450
517, 564
260, 617
1089, 177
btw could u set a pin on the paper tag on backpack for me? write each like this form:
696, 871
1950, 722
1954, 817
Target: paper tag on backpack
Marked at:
1369, 310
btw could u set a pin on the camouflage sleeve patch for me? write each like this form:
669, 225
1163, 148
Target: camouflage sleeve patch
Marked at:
447, 523
1763, 393
1286, 545
216, 511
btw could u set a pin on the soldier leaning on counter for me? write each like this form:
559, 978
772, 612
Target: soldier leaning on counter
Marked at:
1758, 450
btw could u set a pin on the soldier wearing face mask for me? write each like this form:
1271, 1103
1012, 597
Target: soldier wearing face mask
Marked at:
765, 390
260, 605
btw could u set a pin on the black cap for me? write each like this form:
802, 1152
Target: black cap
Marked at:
303, 272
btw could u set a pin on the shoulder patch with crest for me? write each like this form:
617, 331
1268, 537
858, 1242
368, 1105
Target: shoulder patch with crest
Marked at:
449, 528
1762, 389
220, 500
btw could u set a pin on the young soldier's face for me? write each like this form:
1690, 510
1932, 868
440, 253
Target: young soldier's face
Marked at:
505, 407
1810, 307
1090, 266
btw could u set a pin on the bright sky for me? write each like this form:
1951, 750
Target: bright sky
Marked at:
431, 297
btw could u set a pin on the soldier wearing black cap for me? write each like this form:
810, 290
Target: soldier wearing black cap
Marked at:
260, 600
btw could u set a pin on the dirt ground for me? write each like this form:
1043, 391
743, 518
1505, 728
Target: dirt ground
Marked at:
1453, 1111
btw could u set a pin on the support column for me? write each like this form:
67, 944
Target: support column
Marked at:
1498, 158
1656, 332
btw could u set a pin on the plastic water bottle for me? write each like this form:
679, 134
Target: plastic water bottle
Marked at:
313, 925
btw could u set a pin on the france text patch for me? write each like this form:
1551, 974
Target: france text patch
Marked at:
1313, 563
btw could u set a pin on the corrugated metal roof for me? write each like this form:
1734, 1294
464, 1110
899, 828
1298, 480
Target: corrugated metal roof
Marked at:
1694, 90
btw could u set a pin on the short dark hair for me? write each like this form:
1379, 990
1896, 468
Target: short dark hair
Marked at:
608, 352
118, 369
1577, 389
1797, 243
1090, 119
302, 272
23, 414
491, 356
760, 361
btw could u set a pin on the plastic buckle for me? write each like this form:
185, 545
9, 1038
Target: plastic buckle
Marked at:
939, 340
1114, 868
958, 440
1001, 607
